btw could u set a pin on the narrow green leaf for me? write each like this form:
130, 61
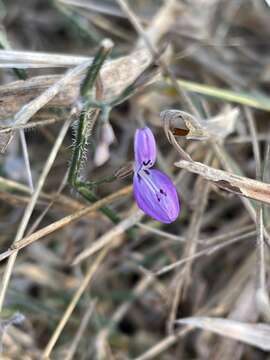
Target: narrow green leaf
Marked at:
258, 101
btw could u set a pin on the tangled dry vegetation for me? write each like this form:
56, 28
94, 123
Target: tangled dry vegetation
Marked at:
101, 280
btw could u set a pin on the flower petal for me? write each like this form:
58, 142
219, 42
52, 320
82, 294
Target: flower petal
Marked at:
144, 148
156, 195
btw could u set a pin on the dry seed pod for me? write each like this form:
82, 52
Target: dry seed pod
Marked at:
180, 123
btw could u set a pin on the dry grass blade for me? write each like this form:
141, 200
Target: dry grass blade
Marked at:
138, 291
95, 6
85, 320
184, 97
29, 209
206, 252
257, 335
167, 342
161, 233
26, 160
33, 59
183, 279
64, 222
66, 203
15, 319
162, 22
262, 295
85, 283
32, 125
242, 310
115, 76
159, 348
7, 184
110, 236
242, 186
30, 109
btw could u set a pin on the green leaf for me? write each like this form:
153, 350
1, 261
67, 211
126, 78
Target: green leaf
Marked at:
255, 100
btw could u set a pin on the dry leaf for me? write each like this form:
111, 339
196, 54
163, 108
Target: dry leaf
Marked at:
115, 75
253, 334
239, 185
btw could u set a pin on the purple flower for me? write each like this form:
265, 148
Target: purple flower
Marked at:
154, 192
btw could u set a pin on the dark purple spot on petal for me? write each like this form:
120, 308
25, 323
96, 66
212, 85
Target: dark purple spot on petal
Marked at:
145, 163
144, 147
162, 192
164, 208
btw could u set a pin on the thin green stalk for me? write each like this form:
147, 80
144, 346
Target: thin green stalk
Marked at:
91, 197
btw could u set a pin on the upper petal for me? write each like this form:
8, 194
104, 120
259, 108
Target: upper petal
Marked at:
156, 195
144, 148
